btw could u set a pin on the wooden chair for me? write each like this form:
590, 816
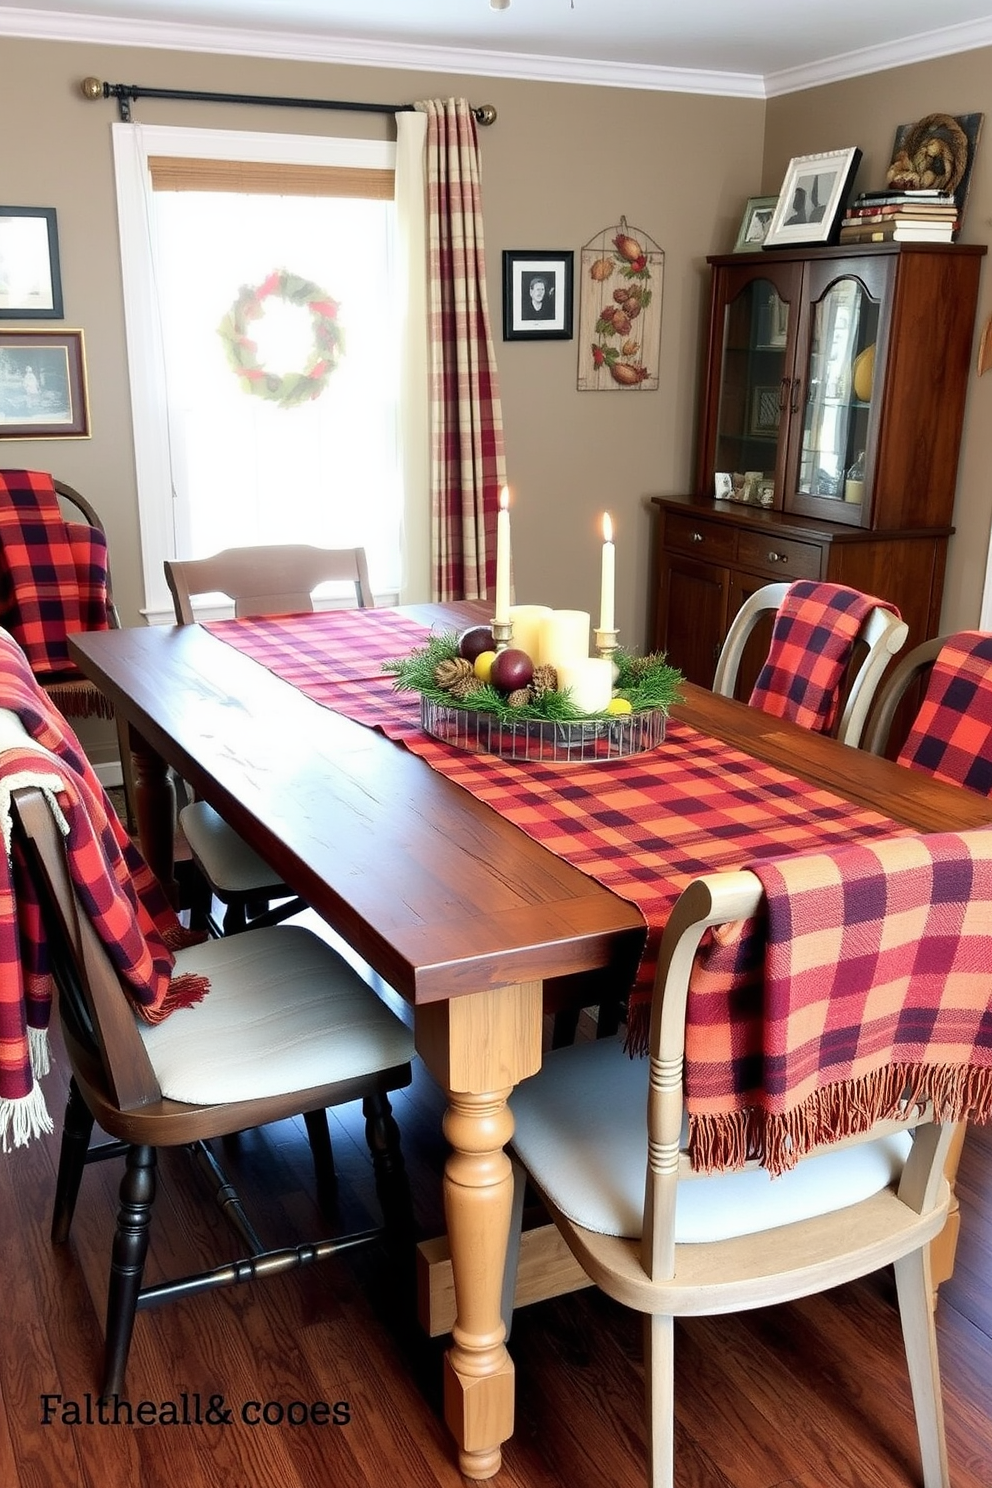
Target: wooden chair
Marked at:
909, 670
287, 1028
883, 634
277, 580
670, 1242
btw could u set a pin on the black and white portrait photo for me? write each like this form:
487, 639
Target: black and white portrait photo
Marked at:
537, 295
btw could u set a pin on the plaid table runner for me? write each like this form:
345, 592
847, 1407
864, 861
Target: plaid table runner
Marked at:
122, 896
53, 573
951, 737
814, 634
642, 826
865, 982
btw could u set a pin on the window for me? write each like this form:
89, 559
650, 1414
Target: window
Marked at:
218, 466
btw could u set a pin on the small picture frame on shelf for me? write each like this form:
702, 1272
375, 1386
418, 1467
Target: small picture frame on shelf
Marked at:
537, 294
812, 199
766, 413
755, 222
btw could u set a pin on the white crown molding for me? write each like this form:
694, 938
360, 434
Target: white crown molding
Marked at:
923, 48
295, 46
25, 23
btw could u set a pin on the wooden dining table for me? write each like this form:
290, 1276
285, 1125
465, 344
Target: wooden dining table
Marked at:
474, 923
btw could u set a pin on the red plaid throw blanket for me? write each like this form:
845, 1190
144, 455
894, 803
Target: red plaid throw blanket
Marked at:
867, 982
815, 630
642, 826
119, 892
951, 737
53, 580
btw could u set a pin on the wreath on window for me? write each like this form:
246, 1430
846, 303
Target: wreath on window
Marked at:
289, 389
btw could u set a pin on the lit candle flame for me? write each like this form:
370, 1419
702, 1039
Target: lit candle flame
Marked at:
607, 527
504, 497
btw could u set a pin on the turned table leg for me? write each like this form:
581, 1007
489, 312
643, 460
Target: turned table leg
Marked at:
155, 811
478, 1047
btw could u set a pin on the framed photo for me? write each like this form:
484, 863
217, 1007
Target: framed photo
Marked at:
765, 412
30, 283
755, 223
43, 385
812, 199
537, 294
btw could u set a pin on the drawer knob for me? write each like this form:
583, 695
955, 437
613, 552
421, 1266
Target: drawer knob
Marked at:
774, 557
697, 537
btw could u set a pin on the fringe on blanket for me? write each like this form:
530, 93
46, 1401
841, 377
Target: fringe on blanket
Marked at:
40, 1052
79, 699
20, 1120
778, 1140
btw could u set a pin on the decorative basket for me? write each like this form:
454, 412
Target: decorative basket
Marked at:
581, 740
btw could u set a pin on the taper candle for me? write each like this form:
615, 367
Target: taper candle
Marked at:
502, 615
608, 587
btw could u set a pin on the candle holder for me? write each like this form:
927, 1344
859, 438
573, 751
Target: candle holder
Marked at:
502, 633
606, 642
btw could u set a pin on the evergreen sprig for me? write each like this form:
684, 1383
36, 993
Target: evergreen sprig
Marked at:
647, 682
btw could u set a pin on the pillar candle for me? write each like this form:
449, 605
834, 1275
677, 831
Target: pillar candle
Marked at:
526, 621
564, 637
590, 682
606, 604
502, 615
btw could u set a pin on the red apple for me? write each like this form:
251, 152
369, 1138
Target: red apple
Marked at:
472, 643
511, 669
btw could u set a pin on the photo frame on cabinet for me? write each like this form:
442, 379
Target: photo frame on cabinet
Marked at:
30, 281
537, 294
812, 199
755, 223
43, 385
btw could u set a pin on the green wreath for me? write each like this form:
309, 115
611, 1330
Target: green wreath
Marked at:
293, 388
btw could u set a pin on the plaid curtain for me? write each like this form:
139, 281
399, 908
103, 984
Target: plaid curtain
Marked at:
467, 465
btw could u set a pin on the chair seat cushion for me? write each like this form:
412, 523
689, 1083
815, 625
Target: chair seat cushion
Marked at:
284, 1012
230, 865
581, 1131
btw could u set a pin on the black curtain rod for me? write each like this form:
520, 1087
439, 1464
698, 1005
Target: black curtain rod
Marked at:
126, 93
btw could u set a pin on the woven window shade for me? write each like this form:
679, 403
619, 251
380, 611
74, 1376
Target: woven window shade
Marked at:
173, 173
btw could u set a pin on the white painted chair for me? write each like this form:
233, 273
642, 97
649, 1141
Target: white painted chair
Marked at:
884, 634
670, 1242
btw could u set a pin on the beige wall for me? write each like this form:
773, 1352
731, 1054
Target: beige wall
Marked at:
561, 163
866, 112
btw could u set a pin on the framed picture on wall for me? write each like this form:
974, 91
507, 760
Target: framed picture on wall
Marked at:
30, 283
537, 294
43, 385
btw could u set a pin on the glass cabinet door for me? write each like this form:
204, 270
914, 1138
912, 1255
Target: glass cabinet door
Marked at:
843, 330
752, 406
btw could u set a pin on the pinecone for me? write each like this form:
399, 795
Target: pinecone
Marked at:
448, 673
466, 685
639, 666
520, 697
545, 679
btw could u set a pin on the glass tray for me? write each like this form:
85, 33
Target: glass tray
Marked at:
582, 740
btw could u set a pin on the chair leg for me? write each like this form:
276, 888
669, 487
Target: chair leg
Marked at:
383, 1138
137, 1194
322, 1153
235, 918
659, 1390
77, 1128
915, 1293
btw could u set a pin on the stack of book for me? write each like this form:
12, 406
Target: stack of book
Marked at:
902, 216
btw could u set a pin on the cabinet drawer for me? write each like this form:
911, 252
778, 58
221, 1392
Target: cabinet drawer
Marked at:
710, 541
779, 558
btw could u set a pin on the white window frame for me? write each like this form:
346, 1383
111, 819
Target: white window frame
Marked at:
132, 146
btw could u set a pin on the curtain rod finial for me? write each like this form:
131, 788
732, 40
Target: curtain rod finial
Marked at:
486, 113
91, 87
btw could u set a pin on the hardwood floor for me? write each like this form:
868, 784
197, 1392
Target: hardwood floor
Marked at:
810, 1395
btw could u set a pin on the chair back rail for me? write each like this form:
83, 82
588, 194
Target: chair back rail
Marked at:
272, 580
